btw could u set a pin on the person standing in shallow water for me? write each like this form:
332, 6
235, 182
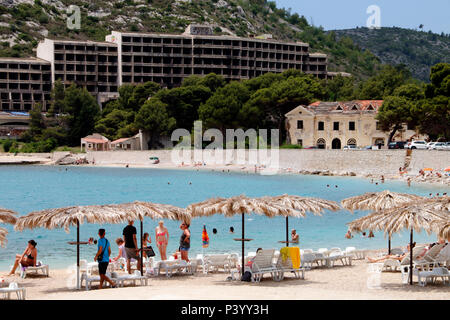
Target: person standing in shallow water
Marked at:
294, 236
185, 241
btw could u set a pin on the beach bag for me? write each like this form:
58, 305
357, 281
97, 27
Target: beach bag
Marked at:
247, 276
149, 251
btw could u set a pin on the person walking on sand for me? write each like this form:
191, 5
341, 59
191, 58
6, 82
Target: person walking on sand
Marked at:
102, 257
185, 241
27, 259
162, 239
131, 247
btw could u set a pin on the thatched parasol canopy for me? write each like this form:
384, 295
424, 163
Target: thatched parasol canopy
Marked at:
70, 216
8, 216
415, 216
155, 211
241, 205
376, 201
443, 229
3, 233
99, 214
302, 205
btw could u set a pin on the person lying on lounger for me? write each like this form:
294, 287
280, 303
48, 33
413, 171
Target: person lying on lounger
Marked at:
398, 257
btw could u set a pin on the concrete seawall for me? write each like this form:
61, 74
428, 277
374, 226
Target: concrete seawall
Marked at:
336, 161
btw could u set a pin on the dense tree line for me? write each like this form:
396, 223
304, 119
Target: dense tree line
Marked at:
256, 103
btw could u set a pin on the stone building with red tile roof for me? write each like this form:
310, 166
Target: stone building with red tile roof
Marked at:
333, 125
95, 142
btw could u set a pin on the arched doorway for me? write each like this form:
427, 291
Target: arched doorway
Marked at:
321, 144
336, 144
351, 142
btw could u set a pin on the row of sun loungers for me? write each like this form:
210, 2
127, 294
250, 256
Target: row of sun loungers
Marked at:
120, 280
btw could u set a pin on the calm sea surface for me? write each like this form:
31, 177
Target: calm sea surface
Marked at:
29, 188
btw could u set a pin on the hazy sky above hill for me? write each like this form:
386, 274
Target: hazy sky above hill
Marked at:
345, 14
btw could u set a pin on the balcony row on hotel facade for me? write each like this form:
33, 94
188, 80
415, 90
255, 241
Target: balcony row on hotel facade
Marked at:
101, 67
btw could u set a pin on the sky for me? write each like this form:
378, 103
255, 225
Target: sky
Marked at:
345, 14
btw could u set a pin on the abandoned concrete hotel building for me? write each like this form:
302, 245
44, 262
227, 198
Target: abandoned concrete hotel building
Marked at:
101, 67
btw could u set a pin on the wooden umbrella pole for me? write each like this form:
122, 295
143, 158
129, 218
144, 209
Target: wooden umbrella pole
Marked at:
243, 237
389, 245
287, 231
78, 254
411, 258
142, 250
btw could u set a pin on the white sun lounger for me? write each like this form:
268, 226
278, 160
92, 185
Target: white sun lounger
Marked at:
262, 264
171, 266
214, 262
136, 277
307, 260
13, 288
40, 267
394, 264
429, 260
337, 255
89, 279
425, 276
287, 266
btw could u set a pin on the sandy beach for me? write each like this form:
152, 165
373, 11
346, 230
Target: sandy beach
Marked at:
340, 282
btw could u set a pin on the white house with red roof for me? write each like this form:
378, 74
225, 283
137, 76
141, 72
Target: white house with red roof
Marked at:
131, 143
95, 142
333, 125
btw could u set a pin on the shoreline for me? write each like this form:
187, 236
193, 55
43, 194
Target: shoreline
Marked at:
288, 166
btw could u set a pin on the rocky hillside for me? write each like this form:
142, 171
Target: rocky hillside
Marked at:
418, 50
24, 22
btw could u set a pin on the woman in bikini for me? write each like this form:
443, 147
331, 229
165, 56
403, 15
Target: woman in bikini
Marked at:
162, 239
28, 257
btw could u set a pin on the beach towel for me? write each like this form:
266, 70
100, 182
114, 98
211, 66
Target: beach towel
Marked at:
293, 253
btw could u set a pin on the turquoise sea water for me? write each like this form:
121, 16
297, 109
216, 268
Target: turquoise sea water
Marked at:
29, 188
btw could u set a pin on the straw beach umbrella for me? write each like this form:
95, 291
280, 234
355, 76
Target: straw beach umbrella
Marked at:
241, 205
411, 216
376, 201
8, 216
302, 205
442, 228
3, 233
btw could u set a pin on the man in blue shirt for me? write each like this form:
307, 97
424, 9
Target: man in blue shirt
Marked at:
102, 256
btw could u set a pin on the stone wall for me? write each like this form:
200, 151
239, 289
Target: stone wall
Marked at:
337, 161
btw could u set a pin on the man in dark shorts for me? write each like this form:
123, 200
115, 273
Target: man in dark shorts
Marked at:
131, 247
102, 256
